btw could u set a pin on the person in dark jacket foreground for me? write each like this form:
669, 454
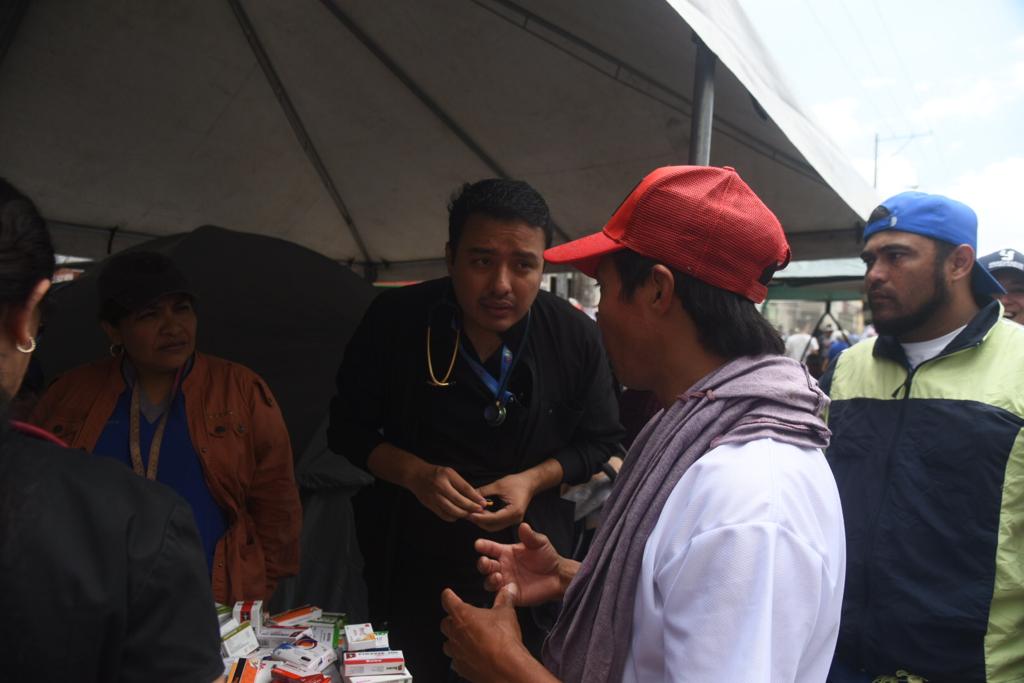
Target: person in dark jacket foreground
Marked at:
721, 554
102, 575
471, 399
928, 453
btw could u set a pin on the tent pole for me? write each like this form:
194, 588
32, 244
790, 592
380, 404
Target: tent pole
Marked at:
703, 105
640, 82
10, 20
298, 127
425, 99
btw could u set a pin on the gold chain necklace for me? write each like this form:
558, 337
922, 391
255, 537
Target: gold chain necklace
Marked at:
443, 382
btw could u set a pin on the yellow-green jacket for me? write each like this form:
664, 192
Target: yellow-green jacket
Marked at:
930, 469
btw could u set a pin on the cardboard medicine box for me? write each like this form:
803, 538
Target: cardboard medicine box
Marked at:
273, 636
306, 655
240, 641
251, 611
299, 615
328, 629
373, 662
404, 677
360, 637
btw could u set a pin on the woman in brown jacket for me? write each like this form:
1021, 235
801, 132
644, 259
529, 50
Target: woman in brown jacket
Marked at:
208, 428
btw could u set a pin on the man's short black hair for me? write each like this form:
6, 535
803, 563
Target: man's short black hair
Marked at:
727, 323
499, 198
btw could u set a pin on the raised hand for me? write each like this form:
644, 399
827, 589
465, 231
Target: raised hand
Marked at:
533, 565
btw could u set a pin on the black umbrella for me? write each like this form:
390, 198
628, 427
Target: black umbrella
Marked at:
282, 310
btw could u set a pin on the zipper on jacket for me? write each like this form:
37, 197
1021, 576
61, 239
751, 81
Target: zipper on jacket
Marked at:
890, 455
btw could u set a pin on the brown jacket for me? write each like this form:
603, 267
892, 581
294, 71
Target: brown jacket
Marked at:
242, 443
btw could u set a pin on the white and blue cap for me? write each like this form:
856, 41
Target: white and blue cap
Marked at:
939, 218
1009, 259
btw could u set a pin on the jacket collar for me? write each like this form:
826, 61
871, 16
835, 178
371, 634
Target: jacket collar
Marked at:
117, 380
977, 330
153, 411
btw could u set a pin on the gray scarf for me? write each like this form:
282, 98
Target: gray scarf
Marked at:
744, 400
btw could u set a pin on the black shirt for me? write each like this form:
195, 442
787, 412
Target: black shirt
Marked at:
564, 408
102, 576
564, 405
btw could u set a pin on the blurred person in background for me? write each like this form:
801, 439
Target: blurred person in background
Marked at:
206, 427
1007, 267
114, 560
800, 345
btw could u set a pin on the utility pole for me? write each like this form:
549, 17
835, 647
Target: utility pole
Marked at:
874, 180
906, 138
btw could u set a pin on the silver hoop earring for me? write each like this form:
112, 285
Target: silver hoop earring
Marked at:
31, 346
116, 349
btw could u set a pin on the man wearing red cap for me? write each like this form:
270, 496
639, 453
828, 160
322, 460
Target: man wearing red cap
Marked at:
721, 556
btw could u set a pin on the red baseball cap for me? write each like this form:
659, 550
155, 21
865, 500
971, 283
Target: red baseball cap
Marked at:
703, 221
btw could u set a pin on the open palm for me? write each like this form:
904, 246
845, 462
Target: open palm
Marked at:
532, 564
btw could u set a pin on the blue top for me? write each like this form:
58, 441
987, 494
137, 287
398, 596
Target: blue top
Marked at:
179, 463
836, 347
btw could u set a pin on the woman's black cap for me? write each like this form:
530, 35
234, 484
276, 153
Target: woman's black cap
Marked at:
132, 279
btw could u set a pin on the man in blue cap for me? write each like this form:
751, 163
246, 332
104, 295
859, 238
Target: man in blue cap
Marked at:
928, 454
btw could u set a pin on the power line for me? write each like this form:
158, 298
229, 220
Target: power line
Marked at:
906, 141
882, 118
901, 63
866, 49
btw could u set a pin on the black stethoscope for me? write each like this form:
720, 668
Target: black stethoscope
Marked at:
496, 412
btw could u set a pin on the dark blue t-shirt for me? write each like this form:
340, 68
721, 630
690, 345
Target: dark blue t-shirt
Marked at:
179, 467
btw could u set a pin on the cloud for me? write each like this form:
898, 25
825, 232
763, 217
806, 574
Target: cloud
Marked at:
969, 100
841, 121
878, 82
1017, 78
993, 192
896, 173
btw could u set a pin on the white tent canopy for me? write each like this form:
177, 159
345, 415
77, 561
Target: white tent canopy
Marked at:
363, 116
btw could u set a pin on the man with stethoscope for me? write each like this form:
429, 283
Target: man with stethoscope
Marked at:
471, 399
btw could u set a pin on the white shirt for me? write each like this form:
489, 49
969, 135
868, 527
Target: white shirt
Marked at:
796, 343
919, 352
742, 577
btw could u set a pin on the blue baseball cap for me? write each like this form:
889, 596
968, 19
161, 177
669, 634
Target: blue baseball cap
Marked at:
939, 218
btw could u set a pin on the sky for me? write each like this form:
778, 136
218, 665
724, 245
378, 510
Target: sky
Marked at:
941, 83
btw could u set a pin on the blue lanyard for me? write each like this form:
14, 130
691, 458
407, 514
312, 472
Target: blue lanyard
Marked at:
497, 387
495, 413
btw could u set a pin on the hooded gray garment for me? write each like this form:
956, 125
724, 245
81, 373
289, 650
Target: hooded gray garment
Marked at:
744, 400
